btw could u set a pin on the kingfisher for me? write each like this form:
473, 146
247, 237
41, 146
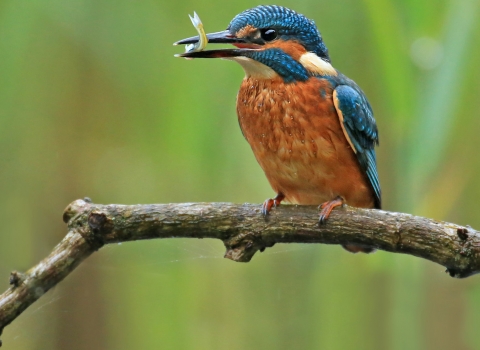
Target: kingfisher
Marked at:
311, 128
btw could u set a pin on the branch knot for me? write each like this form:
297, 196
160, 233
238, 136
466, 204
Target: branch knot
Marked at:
75, 209
99, 224
16, 278
243, 246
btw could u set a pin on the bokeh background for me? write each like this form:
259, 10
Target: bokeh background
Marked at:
93, 103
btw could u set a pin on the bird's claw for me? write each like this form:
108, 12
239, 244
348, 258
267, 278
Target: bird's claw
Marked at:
267, 206
327, 207
271, 203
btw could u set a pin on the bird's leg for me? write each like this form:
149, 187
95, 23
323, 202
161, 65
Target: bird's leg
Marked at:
269, 203
327, 208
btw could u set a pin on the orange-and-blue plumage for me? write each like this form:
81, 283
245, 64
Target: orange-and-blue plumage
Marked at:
310, 127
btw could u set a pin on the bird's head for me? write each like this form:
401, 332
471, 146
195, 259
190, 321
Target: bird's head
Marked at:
271, 41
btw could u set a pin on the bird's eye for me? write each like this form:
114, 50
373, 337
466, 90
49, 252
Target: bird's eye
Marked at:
268, 34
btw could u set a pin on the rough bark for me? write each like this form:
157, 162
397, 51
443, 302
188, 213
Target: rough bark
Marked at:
244, 231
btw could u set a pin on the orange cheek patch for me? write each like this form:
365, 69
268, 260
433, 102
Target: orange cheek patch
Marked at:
246, 31
291, 48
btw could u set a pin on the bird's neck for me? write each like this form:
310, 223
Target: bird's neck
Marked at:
290, 62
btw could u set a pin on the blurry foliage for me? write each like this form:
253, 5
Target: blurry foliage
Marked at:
93, 103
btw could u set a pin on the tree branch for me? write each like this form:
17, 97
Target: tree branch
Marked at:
244, 231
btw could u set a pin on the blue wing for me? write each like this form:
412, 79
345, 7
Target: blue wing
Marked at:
356, 118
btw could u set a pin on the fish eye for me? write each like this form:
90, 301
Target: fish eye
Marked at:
268, 34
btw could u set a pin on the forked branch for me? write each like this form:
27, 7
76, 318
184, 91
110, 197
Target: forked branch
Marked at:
244, 231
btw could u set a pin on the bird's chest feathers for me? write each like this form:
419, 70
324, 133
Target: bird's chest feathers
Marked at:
287, 121
297, 139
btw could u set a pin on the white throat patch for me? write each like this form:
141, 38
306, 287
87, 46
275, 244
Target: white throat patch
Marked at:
254, 68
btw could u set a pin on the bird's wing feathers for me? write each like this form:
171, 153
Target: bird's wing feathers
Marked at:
360, 129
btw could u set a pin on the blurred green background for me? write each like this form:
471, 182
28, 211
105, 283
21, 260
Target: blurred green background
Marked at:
93, 103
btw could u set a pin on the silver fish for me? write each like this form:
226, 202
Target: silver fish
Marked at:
200, 45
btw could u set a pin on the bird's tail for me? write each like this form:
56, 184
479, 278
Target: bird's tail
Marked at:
352, 248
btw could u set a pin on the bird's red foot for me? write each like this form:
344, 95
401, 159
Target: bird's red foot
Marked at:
327, 208
269, 203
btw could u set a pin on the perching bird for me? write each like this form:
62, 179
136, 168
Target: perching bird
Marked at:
310, 127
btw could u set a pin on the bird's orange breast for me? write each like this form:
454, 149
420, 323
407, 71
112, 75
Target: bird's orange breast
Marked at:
295, 134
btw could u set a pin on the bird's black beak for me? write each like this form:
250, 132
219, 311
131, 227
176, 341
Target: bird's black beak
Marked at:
223, 37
